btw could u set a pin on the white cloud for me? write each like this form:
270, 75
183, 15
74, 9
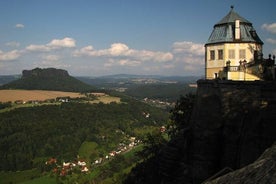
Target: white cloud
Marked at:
184, 57
19, 26
270, 27
85, 51
54, 44
270, 40
189, 48
51, 57
52, 64
189, 56
127, 62
40, 48
8, 56
122, 50
119, 49
146, 55
50, 61
13, 44
64, 43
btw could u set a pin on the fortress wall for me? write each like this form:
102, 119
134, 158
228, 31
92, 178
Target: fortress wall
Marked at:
233, 122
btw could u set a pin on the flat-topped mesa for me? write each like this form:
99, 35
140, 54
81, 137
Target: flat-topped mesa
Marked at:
47, 72
48, 79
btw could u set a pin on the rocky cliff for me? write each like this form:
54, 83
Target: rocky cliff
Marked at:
261, 171
47, 73
232, 124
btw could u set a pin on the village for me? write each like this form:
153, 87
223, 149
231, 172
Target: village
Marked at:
80, 165
159, 103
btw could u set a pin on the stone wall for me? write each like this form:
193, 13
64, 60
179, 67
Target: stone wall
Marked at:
233, 123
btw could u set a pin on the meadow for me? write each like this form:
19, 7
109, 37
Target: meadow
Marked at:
42, 95
38, 95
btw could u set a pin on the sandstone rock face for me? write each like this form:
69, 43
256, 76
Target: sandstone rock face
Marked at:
47, 79
47, 72
261, 171
233, 123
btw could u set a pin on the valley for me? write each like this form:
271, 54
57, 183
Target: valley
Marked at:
91, 129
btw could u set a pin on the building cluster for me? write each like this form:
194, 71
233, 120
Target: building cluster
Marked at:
35, 102
67, 167
133, 141
158, 103
80, 165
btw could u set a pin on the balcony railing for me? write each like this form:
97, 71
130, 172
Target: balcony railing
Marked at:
233, 68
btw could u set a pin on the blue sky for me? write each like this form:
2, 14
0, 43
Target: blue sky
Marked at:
103, 37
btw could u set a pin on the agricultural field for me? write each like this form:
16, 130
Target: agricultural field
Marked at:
106, 99
42, 95
38, 95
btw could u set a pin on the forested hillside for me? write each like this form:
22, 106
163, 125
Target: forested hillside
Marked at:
163, 88
30, 135
164, 92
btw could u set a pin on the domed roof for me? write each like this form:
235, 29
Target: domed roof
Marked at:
224, 30
231, 17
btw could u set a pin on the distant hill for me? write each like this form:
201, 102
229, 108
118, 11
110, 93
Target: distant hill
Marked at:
164, 88
4, 79
134, 79
48, 79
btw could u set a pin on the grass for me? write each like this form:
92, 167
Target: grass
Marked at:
15, 106
117, 177
19, 176
41, 180
107, 99
132, 152
88, 148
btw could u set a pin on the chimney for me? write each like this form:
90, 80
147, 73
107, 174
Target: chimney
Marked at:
237, 30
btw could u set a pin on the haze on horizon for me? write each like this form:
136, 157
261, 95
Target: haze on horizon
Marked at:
104, 37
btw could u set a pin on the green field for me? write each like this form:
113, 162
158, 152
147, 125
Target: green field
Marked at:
19, 176
41, 180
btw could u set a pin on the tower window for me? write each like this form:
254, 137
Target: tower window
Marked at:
242, 54
231, 54
220, 54
212, 55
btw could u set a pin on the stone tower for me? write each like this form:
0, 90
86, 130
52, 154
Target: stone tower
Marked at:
232, 44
